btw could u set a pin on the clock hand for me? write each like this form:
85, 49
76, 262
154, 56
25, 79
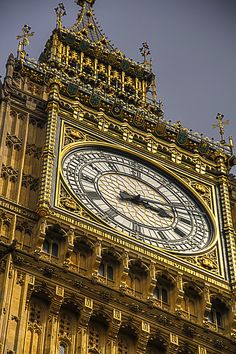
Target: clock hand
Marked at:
160, 211
133, 198
170, 205
139, 200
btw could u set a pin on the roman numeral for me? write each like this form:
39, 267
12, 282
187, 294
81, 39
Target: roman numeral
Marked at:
113, 166
162, 235
87, 178
136, 173
95, 168
186, 221
136, 228
93, 195
179, 232
111, 213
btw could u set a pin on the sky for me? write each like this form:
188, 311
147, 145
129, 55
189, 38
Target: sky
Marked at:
192, 44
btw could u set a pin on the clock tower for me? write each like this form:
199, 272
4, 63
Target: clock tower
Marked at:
117, 227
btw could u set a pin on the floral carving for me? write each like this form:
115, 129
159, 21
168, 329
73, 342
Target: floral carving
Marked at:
203, 190
34, 150
30, 181
68, 203
10, 173
72, 135
14, 141
38, 122
208, 261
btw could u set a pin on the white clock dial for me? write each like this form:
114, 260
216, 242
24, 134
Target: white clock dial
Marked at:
137, 199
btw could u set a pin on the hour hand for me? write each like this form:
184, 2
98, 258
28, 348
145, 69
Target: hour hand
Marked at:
133, 198
137, 199
160, 211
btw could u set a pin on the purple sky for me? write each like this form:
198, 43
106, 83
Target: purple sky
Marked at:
192, 43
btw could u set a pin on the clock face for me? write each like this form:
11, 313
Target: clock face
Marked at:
137, 199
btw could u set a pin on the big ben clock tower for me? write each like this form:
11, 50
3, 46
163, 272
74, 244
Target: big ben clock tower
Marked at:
117, 228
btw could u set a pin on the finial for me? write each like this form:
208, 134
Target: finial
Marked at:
221, 126
60, 12
24, 41
231, 145
83, 2
145, 51
154, 91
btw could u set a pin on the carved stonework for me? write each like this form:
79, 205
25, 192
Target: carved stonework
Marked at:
36, 121
68, 203
208, 261
9, 173
72, 135
19, 115
33, 150
20, 278
24, 226
203, 190
30, 181
4, 218
14, 141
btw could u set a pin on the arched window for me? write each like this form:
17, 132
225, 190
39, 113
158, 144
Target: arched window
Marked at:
191, 304
189, 307
96, 334
134, 284
46, 246
218, 313
50, 247
37, 318
54, 249
81, 256
63, 348
137, 278
156, 346
126, 341
161, 293
106, 270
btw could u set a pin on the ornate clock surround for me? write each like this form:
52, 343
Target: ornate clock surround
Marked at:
89, 136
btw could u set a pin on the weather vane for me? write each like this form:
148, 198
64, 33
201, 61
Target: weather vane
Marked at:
24, 41
221, 125
145, 51
60, 12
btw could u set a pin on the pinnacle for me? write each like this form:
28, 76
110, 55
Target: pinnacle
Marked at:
83, 2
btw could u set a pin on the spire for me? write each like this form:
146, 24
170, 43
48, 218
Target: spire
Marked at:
87, 26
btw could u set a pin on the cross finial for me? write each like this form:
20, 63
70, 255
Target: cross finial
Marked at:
24, 41
145, 51
221, 124
60, 12
83, 2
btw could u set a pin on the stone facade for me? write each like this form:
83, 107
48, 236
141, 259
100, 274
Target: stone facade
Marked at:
69, 282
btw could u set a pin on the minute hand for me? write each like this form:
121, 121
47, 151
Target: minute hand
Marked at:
170, 205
